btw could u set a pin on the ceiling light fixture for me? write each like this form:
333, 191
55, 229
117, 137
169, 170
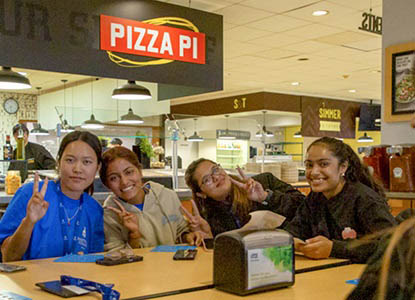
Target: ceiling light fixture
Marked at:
195, 137
131, 118
227, 134
37, 128
10, 80
65, 125
295, 83
297, 135
131, 91
352, 91
365, 139
265, 132
319, 13
92, 123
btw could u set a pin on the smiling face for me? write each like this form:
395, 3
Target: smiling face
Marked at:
77, 168
124, 180
213, 181
323, 171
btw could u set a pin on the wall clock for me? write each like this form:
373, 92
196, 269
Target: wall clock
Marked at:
11, 106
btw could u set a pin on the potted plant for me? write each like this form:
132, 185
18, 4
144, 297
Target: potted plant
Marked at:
143, 149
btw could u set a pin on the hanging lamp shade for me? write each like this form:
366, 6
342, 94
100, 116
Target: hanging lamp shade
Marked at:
66, 127
10, 80
195, 138
365, 139
130, 118
92, 123
131, 91
226, 134
297, 135
38, 130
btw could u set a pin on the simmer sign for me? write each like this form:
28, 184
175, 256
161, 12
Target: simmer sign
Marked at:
139, 38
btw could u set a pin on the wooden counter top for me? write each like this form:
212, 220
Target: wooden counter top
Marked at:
157, 273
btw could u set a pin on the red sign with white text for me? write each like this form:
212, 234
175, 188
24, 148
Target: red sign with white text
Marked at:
138, 38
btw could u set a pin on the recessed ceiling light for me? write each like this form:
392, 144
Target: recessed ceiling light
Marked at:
319, 13
295, 83
352, 91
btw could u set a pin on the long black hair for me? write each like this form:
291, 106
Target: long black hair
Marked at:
87, 137
356, 171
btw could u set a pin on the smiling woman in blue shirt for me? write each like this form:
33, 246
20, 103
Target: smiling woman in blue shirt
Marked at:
48, 219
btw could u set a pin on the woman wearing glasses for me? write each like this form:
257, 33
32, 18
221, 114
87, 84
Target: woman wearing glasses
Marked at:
135, 215
225, 201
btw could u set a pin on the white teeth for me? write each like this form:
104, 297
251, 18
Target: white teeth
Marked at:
127, 189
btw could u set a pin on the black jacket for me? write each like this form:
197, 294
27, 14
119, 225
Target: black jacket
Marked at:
356, 206
284, 200
38, 158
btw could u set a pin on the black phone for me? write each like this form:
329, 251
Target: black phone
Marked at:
209, 243
123, 260
185, 254
8, 268
65, 291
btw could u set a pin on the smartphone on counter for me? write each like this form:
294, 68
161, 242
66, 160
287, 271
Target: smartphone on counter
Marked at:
8, 268
65, 291
185, 254
123, 260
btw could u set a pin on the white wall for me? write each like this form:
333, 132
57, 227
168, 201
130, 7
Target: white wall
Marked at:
78, 103
398, 26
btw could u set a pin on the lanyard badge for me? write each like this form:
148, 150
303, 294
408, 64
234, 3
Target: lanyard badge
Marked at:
105, 289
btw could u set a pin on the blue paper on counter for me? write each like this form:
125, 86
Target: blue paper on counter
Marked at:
164, 248
88, 258
12, 296
353, 281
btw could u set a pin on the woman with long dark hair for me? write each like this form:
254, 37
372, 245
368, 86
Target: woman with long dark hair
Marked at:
345, 203
225, 201
47, 219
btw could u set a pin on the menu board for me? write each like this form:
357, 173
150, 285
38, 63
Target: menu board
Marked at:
403, 82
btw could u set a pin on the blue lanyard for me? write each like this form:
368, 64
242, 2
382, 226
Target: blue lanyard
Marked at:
79, 243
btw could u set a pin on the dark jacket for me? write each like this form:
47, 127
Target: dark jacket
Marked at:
38, 158
284, 200
356, 206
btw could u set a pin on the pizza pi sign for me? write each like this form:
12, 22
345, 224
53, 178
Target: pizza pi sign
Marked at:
143, 39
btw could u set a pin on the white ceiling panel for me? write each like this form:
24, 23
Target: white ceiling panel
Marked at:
275, 40
240, 15
278, 6
278, 23
312, 31
334, 11
243, 34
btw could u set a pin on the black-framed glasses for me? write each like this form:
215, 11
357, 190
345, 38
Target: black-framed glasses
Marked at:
215, 171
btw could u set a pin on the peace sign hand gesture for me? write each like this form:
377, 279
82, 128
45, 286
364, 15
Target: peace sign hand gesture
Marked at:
196, 222
37, 206
254, 189
129, 220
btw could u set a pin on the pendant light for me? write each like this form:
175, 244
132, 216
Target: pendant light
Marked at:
297, 135
65, 125
92, 123
37, 129
365, 139
130, 118
226, 135
10, 80
195, 137
263, 131
131, 91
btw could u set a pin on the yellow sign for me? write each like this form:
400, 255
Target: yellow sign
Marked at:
329, 126
328, 113
239, 103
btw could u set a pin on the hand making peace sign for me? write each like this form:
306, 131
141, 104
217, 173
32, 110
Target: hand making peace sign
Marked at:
254, 189
129, 220
37, 206
196, 222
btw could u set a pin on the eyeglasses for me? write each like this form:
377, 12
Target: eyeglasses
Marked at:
215, 171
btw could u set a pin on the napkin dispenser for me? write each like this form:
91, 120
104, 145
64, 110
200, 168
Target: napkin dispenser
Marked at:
246, 262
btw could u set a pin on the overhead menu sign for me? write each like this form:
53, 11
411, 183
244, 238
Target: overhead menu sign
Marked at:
139, 38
